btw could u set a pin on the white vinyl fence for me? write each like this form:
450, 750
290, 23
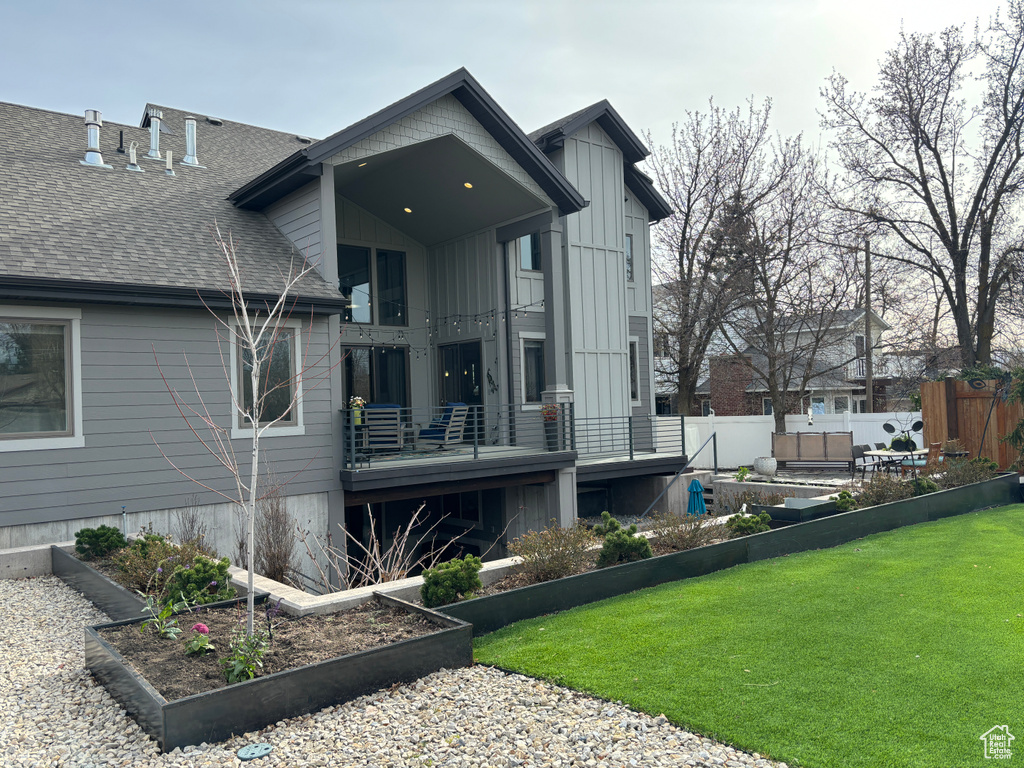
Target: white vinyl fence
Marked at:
741, 439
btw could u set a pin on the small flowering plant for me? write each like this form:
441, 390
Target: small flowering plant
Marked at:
356, 402
161, 616
550, 411
199, 644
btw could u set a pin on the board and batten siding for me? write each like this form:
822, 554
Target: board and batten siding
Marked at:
126, 406
596, 276
297, 217
638, 292
533, 325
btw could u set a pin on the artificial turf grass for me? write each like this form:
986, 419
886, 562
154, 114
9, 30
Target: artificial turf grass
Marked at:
899, 649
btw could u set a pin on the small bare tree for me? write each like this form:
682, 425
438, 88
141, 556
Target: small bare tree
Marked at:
267, 392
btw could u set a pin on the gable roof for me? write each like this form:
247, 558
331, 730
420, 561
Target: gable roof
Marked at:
296, 169
112, 235
553, 135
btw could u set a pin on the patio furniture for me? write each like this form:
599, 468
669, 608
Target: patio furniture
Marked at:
447, 429
866, 462
917, 462
382, 427
820, 449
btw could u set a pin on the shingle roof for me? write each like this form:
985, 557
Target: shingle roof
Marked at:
62, 221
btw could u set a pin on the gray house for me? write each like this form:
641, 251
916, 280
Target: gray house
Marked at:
485, 293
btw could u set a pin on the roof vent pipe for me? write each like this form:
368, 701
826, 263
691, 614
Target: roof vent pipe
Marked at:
93, 123
190, 143
155, 116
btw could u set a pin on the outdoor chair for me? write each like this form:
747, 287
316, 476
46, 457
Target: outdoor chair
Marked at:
447, 429
383, 427
886, 463
920, 462
864, 463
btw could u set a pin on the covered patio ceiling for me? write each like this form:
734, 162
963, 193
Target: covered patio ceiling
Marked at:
435, 190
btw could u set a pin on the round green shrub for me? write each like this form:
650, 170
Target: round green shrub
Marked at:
450, 581
91, 543
621, 545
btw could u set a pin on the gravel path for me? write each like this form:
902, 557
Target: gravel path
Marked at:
53, 714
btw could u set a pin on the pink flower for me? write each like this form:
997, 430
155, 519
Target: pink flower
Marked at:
202, 629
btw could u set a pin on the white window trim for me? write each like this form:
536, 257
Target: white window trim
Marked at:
527, 336
634, 341
766, 401
77, 438
299, 427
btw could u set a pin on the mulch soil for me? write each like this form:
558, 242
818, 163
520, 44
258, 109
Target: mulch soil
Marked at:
297, 641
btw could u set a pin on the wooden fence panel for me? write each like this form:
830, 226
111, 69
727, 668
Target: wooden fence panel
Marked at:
956, 409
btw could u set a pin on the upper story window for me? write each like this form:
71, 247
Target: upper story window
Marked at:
533, 370
634, 371
528, 247
859, 344
371, 284
629, 258
40, 379
661, 345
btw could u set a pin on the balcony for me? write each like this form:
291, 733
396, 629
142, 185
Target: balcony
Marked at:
388, 446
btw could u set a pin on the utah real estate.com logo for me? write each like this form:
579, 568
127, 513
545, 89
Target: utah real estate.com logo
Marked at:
997, 742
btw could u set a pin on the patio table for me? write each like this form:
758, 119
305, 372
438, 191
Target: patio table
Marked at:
892, 459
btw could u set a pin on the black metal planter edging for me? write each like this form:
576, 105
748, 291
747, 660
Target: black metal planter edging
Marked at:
216, 715
107, 595
492, 612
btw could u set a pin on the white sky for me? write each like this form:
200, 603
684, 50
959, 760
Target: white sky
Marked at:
313, 67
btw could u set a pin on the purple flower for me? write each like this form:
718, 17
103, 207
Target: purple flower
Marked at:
202, 629
159, 570
213, 583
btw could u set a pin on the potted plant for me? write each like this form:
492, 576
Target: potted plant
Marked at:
356, 404
953, 448
551, 412
766, 465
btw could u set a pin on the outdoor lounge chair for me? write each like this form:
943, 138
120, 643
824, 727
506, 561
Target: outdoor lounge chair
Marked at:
383, 428
447, 429
920, 462
865, 462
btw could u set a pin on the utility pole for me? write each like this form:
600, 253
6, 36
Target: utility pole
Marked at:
869, 379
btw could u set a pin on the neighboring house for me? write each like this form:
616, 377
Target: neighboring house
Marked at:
458, 261
734, 388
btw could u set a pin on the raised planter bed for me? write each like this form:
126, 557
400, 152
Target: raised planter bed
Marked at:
217, 715
801, 511
119, 603
492, 612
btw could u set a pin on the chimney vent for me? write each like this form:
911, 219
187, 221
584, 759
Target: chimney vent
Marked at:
155, 116
93, 123
190, 158
169, 170
133, 164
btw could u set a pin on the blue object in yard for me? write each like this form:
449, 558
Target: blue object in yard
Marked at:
696, 505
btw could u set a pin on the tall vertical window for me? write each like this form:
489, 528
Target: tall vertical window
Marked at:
354, 282
766, 406
377, 374
529, 251
629, 258
533, 370
859, 343
634, 371
391, 293
277, 382
35, 366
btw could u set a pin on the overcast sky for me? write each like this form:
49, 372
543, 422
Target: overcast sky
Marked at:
313, 67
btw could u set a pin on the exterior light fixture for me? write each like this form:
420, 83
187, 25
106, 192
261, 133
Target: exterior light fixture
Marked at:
407, 210
360, 165
467, 185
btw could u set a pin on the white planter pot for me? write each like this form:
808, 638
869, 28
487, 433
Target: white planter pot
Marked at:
766, 465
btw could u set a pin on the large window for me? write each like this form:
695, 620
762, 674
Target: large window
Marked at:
533, 370
629, 258
529, 252
841, 404
377, 374
278, 381
766, 406
35, 378
391, 301
354, 282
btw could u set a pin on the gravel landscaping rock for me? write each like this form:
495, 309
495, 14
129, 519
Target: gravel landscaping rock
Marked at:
52, 713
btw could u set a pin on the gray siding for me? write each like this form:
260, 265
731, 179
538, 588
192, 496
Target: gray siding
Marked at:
297, 216
125, 406
638, 292
639, 327
532, 322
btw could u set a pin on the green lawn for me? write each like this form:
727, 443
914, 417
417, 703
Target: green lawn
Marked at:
900, 649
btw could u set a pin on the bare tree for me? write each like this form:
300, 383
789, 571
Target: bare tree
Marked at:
268, 389
795, 287
938, 177
714, 158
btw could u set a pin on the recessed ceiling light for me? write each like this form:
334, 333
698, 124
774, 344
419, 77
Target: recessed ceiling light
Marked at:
408, 210
361, 165
467, 185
